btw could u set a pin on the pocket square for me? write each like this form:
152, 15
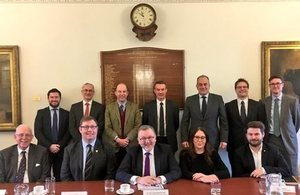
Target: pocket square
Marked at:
37, 165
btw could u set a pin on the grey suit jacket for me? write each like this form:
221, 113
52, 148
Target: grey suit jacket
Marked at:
165, 163
133, 120
172, 119
103, 162
76, 113
38, 166
289, 124
214, 120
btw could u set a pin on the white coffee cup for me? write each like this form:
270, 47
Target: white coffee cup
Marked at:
38, 189
125, 188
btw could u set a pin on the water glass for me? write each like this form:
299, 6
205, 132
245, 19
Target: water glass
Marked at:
215, 188
262, 186
109, 185
50, 185
21, 189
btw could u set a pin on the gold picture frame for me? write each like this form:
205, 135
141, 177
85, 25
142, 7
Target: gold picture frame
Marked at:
10, 104
281, 58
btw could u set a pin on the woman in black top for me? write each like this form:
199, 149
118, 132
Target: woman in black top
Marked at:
200, 162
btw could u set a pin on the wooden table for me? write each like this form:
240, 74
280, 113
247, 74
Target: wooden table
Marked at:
232, 186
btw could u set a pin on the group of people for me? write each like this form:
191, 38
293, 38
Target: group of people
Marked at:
95, 142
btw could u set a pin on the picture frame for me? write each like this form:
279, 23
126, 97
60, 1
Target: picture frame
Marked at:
10, 105
281, 58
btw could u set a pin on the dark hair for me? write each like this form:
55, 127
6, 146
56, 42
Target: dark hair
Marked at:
146, 127
256, 124
53, 90
240, 80
208, 149
87, 118
159, 82
275, 77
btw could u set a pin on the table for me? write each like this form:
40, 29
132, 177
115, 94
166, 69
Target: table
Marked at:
232, 186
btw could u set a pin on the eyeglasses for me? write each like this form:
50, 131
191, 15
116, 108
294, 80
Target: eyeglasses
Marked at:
275, 84
89, 127
20, 135
143, 139
88, 90
199, 138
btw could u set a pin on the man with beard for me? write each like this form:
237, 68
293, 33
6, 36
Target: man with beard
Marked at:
51, 130
256, 158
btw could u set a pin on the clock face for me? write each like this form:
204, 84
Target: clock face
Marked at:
143, 15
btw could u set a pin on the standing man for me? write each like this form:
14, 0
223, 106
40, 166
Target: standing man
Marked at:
86, 107
88, 159
51, 130
148, 163
239, 112
283, 113
163, 115
24, 162
205, 110
122, 120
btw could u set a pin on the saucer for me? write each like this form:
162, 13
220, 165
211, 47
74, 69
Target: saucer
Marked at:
130, 191
43, 193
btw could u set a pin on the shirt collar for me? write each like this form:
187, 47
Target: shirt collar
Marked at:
84, 143
20, 150
240, 100
278, 97
51, 108
151, 151
90, 102
206, 95
158, 101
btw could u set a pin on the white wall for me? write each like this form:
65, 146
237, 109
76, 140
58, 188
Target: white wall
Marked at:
60, 44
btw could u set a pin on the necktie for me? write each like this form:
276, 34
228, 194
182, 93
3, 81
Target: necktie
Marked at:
147, 165
22, 168
121, 108
122, 118
87, 109
243, 111
54, 125
88, 162
276, 124
203, 105
161, 120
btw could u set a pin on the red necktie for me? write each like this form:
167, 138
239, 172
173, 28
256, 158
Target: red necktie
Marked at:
87, 109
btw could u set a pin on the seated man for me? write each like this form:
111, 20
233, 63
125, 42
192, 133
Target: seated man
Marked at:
257, 158
148, 163
24, 162
87, 159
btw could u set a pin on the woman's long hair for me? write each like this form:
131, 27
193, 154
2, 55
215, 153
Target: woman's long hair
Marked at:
208, 149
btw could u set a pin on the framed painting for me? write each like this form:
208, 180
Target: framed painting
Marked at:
281, 58
10, 106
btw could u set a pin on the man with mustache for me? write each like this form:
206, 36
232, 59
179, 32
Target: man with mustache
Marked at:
256, 158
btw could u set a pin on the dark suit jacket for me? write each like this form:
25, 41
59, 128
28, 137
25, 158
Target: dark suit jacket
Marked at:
172, 120
76, 113
272, 162
38, 166
237, 127
103, 162
43, 132
214, 120
165, 163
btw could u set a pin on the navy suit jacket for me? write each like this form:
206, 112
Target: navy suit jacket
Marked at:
272, 162
172, 120
43, 132
38, 165
165, 163
214, 120
237, 127
103, 162
76, 113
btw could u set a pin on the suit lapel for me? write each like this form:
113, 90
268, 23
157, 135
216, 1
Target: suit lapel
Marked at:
250, 157
140, 161
14, 159
31, 161
264, 156
157, 160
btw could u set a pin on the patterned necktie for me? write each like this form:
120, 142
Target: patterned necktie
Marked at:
203, 105
147, 165
54, 125
88, 162
243, 111
161, 120
22, 168
276, 124
87, 109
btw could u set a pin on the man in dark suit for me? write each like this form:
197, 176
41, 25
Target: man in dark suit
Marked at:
88, 159
239, 112
24, 162
283, 113
205, 110
166, 125
51, 130
86, 107
256, 158
148, 163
